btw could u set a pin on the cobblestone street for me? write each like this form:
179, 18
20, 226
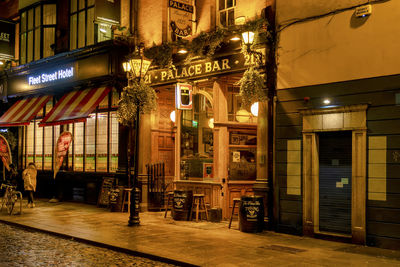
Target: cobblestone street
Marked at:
20, 247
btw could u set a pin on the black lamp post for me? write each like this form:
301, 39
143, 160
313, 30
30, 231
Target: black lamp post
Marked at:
136, 68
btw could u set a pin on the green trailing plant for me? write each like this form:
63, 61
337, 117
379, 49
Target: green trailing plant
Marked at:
11, 139
205, 44
161, 54
252, 86
136, 97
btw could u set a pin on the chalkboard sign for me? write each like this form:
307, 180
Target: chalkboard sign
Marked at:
106, 187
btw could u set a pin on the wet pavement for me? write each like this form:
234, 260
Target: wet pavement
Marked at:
202, 243
27, 248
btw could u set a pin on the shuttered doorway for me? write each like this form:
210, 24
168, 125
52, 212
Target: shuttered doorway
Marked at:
335, 182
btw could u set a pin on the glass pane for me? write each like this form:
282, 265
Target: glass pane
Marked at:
73, 5
90, 26
38, 146
242, 163
70, 150
197, 140
48, 148
49, 14
48, 41
90, 143
37, 16
102, 142
37, 44
23, 22
29, 143
229, 3
81, 4
221, 4
90, 3
30, 46
30, 19
222, 18
231, 17
23, 48
78, 146
103, 32
73, 33
56, 135
81, 29
114, 142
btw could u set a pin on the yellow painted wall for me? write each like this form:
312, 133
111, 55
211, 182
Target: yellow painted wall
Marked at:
337, 47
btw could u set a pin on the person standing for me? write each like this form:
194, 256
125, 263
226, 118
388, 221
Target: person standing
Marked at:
29, 177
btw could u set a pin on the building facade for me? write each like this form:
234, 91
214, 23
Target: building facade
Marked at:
337, 111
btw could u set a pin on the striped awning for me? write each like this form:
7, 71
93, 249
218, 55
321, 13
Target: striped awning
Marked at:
75, 106
23, 111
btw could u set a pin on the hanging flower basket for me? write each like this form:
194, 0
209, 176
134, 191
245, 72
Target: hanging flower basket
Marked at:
137, 97
252, 86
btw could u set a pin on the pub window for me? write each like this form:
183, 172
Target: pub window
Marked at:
226, 13
197, 140
242, 154
237, 112
37, 32
84, 30
94, 145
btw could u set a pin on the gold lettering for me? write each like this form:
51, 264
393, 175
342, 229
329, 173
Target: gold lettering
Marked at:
198, 68
163, 75
191, 70
225, 64
170, 75
208, 67
184, 72
176, 74
216, 66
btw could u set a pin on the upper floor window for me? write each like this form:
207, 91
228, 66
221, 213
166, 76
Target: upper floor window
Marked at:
226, 13
37, 32
84, 30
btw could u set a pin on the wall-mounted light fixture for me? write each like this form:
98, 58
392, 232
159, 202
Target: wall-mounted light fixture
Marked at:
172, 116
248, 40
182, 50
254, 109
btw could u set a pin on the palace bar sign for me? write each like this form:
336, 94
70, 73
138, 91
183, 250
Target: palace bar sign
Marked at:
51, 77
200, 69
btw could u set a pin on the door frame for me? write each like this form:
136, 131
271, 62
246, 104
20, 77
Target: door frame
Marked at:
348, 118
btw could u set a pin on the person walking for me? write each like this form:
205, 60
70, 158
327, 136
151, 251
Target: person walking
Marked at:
29, 177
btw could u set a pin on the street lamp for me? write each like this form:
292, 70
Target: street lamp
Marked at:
136, 68
248, 40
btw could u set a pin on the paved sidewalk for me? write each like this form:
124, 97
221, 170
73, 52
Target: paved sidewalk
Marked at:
191, 243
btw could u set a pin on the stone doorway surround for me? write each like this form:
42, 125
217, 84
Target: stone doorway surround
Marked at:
347, 118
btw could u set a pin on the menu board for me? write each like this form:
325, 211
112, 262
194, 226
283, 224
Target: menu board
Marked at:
106, 186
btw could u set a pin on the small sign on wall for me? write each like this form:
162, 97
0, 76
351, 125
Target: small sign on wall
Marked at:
183, 96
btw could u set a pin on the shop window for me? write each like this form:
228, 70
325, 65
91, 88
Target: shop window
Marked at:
37, 32
84, 31
79, 134
48, 148
102, 142
226, 13
242, 155
197, 140
90, 144
238, 112
94, 145
113, 156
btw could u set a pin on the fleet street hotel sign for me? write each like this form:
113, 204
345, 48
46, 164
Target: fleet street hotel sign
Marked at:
200, 69
53, 76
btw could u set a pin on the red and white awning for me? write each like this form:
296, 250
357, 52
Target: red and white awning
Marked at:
75, 106
23, 111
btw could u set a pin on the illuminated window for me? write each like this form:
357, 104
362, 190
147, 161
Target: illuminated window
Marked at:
114, 142
37, 32
102, 142
48, 148
90, 144
78, 146
197, 140
84, 31
226, 12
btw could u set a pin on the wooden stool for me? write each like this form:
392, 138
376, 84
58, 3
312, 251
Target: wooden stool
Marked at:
235, 200
126, 199
200, 205
169, 204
